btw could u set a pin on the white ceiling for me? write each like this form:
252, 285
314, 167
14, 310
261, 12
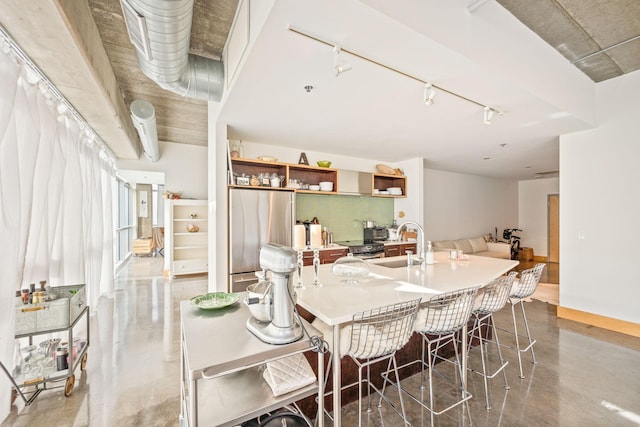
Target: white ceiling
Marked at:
488, 56
371, 112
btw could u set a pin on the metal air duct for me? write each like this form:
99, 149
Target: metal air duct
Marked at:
143, 116
160, 30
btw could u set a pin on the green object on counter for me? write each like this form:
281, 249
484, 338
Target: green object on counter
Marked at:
214, 300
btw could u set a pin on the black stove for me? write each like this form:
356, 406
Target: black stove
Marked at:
360, 247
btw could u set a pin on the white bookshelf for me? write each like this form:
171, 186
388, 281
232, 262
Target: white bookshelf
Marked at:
188, 250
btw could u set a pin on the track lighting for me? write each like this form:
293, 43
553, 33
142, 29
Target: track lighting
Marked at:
489, 113
429, 94
339, 66
430, 90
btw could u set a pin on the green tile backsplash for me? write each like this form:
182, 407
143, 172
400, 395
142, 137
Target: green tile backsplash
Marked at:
343, 215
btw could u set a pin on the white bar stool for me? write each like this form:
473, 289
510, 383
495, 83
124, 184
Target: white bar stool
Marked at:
491, 299
374, 336
443, 317
523, 288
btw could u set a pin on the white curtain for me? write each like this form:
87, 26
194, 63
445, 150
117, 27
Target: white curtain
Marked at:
55, 200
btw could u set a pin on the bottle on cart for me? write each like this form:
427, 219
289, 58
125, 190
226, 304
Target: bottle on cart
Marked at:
429, 254
62, 358
17, 360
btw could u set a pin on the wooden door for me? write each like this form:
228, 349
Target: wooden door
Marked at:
553, 215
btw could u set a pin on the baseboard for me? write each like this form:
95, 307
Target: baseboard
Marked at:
609, 323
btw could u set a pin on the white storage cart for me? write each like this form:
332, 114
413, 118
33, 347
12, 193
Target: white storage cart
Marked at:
221, 382
42, 366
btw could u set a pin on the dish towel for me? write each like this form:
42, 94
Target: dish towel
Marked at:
288, 374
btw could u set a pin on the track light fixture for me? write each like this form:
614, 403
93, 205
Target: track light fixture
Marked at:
489, 113
429, 94
338, 65
430, 89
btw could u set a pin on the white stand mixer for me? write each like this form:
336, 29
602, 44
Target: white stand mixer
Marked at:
283, 328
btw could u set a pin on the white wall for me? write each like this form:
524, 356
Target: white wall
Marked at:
184, 166
289, 155
599, 211
411, 208
459, 205
533, 212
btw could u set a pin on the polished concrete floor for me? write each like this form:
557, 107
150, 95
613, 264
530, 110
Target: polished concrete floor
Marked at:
132, 378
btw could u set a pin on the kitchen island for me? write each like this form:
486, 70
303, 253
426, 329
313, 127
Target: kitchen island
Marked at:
390, 281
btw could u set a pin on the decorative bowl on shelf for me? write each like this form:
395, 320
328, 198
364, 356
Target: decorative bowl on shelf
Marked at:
324, 163
326, 186
385, 169
267, 159
193, 228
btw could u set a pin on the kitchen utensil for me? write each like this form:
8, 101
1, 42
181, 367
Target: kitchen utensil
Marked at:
369, 224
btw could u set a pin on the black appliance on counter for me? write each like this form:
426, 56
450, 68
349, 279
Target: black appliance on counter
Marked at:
371, 246
364, 250
376, 234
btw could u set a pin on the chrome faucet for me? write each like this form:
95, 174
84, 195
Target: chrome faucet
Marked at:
420, 249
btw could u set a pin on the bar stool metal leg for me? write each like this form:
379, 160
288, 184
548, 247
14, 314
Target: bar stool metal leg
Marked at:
440, 323
376, 335
492, 298
522, 289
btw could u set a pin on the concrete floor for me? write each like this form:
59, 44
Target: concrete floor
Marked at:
132, 376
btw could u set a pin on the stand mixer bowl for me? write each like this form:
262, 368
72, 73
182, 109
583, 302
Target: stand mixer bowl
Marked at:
261, 309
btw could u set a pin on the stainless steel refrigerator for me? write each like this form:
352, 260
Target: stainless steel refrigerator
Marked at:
256, 217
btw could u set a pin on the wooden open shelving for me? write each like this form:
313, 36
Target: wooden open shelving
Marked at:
382, 182
308, 174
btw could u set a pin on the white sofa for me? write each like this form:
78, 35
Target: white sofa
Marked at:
476, 246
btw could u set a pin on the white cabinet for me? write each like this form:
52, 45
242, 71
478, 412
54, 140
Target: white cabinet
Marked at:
187, 238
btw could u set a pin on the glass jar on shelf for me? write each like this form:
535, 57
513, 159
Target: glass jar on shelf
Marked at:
234, 149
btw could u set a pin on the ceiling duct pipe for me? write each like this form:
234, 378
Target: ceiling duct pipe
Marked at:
161, 30
143, 116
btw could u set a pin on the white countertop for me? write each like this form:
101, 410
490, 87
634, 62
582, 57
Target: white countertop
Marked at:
337, 301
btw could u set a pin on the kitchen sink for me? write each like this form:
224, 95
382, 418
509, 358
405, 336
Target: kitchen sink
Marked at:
397, 263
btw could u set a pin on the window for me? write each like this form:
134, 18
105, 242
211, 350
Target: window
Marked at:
157, 191
124, 220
